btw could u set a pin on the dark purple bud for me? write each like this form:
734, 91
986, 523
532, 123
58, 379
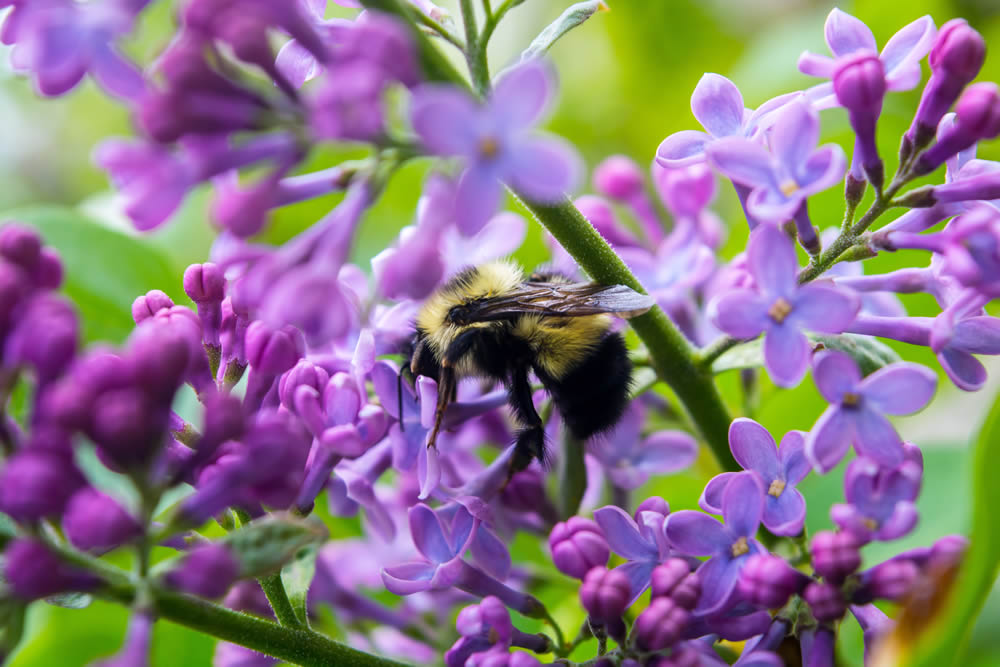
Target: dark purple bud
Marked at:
978, 117
768, 581
605, 594
891, 580
835, 555
150, 304
208, 570
272, 351
667, 576
32, 571
206, 286
660, 625
525, 492
96, 522
69, 401
49, 272
127, 426
618, 177
159, 354
825, 600
859, 82
45, 337
14, 287
37, 483
578, 546
21, 245
304, 373
687, 593
955, 60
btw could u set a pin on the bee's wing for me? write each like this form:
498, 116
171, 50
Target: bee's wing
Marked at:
563, 300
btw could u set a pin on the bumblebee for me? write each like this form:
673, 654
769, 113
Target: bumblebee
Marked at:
490, 322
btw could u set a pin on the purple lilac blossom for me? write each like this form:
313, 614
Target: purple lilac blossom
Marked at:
880, 501
729, 544
858, 408
496, 142
641, 541
780, 469
780, 307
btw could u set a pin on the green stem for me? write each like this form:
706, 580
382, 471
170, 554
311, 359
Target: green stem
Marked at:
572, 476
274, 587
708, 354
493, 20
475, 54
439, 30
671, 354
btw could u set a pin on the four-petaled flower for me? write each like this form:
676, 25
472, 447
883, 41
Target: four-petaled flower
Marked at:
781, 308
640, 541
780, 469
729, 545
497, 142
858, 408
880, 501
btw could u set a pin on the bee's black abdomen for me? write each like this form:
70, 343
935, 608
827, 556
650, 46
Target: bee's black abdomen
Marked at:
593, 395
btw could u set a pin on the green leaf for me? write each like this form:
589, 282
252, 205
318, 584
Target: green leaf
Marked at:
297, 576
944, 641
105, 269
569, 19
869, 353
12, 615
266, 544
70, 600
8, 530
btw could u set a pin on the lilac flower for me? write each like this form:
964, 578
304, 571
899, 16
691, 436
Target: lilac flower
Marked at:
32, 571
578, 546
207, 570
94, 521
37, 483
835, 555
604, 594
496, 142
729, 545
630, 459
779, 469
847, 35
135, 652
955, 342
486, 630
718, 105
781, 180
768, 581
781, 308
640, 541
687, 192
858, 408
880, 500
59, 41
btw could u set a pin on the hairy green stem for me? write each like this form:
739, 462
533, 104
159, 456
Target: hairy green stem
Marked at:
572, 476
274, 587
475, 53
672, 356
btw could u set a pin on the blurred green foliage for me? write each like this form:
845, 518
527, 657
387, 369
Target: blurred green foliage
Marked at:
626, 79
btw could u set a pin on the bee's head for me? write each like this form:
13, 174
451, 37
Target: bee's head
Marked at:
461, 314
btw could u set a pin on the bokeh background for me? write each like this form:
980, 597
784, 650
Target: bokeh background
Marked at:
626, 79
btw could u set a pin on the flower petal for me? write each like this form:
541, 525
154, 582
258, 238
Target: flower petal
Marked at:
446, 120
900, 522
814, 64
876, 438
428, 534
965, 370
899, 389
639, 573
622, 534
428, 471
296, 63
846, 34
682, 148
543, 169
477, 198
829, 439
754, 448
979, 335
521, 96
116, 74
824, 168
718, 105
772, 261
718, 576
795, 135
907, 47
408, 578
743, 504
667, 451
711, 497
742, 160
785, 514
490, 553
786, 354
792, 456
741, 313
825, 308
697, 534
835, 374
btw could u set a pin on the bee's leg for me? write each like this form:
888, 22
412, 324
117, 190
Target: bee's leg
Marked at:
446, 383
531, 438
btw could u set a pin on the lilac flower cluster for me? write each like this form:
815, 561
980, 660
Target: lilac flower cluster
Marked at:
292, 353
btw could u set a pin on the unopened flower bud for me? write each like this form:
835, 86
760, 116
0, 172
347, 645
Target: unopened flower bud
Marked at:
208, 570
37, 483
825, 600
660, 625
768, 581
667, 576
605, 594
32, 571
978, 117
890, 580
45, 337
206, 286
49, 272
149, 304
859, 83
835, 555
304, 373
20, 245
578, 545
955, 60
618, 177
687, 593
96, 522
